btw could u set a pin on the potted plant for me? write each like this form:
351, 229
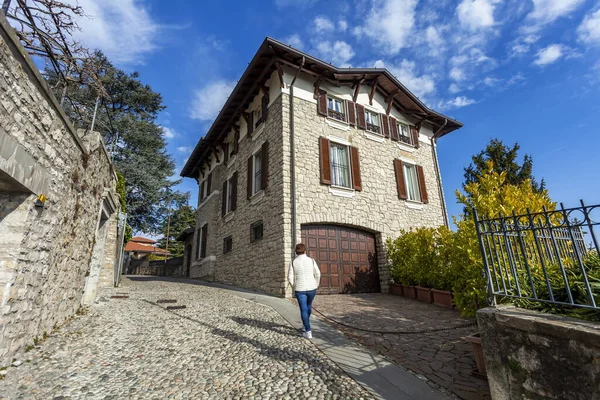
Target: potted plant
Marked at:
475, 341
442, 297
409, 292
424, 294
396, 289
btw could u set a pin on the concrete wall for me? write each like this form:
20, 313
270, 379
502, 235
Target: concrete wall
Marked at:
45, 253
531, 355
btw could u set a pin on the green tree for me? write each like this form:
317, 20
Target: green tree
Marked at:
182, 217
123, 200
126, 117
504, 159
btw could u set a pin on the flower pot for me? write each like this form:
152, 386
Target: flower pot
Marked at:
475, 341
442, 298
424, 294
409, 292
396, 289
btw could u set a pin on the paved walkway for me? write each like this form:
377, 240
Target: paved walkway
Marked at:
221, 346
443, 357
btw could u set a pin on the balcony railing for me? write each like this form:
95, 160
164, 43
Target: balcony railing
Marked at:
336, 115
373, 128
405, 139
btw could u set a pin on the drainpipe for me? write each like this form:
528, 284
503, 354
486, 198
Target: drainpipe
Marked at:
437, 172
293, 157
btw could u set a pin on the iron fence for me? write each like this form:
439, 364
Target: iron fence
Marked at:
549, 256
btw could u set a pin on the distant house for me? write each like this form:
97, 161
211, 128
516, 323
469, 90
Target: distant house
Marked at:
139, 248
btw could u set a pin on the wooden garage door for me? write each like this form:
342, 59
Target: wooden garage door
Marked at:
346, 257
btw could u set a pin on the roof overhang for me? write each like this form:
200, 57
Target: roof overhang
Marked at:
271, 55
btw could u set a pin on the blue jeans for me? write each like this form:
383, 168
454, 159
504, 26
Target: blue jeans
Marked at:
305, 300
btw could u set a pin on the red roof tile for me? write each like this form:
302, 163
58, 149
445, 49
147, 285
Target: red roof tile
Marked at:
140, 239
144, 248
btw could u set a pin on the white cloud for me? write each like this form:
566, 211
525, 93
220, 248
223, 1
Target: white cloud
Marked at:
548, 11
405, 72
476, 14
168, 133
549, 55
323, 24
490, 81
589, 30
338, 53
454, 88
389, 23
294, 41
457, 102
184, 149
342, 25
457, 74
517, 78
123, 29
209, 100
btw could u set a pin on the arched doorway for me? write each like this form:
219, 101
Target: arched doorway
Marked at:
347, 258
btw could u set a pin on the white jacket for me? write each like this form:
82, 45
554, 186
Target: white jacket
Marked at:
304, 274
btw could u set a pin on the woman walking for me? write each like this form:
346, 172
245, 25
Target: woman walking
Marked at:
304, 276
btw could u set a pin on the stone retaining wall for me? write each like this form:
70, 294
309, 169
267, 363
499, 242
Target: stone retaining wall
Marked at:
530, 355
46, 252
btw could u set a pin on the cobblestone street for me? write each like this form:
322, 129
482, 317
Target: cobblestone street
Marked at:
443, 357
220, 346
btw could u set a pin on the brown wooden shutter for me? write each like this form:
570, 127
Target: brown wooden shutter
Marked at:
400, 184
209, 184
355, 163
422, 187
224, 199
226, 152
265, 107
236, 139
394, 129
322, 103
204, 239
385, 125
414, 133
234, 191
249, 183
351, 107
325, 161
265, 165
202, 190
360, 117
250, 123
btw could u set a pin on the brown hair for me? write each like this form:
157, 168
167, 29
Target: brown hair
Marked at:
300, 248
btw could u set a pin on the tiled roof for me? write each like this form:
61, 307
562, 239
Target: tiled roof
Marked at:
144, 248
140, 239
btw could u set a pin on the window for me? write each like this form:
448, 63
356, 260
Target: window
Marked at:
205, 188
412, 182
335, 109
201, 245
404, 133
340, 165
258, 117
372, 120
257, 172
230, 193
256, 231
227, 244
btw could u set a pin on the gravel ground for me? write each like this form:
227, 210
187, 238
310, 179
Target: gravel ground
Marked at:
219, 347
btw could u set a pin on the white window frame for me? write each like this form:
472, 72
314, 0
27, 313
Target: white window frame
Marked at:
258, 116
405, 167
409, 136
203, 190
254, 183
199, 244
333, 143
342, 111
378, 124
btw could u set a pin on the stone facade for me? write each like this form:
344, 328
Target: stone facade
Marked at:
531, 355
46, 253
376, 209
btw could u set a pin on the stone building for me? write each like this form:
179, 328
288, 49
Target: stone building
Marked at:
58, 225
338, 158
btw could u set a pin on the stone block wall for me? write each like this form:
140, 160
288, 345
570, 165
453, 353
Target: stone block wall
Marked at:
531, 355
45, 253
259, 265
377, 207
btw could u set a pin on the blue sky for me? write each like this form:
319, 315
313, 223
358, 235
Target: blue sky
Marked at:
519, 70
